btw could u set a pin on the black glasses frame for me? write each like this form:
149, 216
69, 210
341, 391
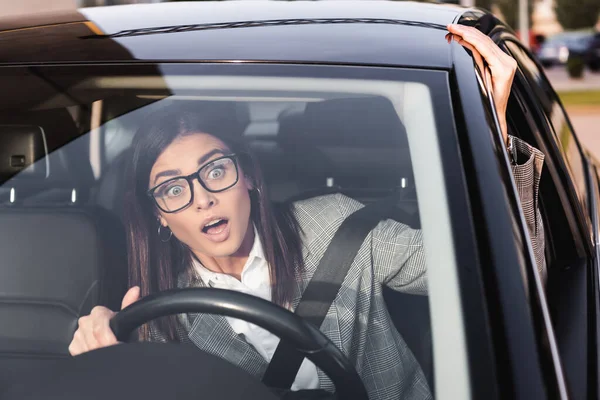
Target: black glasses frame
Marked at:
196, 176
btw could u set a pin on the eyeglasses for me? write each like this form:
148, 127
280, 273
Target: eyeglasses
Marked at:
177, 193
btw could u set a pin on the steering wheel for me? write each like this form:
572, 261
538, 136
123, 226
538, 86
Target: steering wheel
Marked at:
289, 327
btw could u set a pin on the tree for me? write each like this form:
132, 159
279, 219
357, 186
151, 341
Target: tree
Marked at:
510, 11
486, 4
577, 14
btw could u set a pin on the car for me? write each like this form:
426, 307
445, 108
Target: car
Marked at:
591, 53
557, 48
584, 45
361, 99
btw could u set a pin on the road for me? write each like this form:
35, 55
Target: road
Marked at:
585, 119
586, 122
562, 82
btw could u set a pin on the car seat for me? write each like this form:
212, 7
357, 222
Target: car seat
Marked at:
60, 256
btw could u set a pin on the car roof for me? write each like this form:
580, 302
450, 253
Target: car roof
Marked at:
328, 32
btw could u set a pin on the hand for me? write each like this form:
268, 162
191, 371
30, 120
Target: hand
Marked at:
94, 330
502, 65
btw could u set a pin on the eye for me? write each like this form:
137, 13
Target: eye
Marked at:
218, 169
175, 191
216, 173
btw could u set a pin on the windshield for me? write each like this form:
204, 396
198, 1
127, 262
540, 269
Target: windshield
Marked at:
104, 167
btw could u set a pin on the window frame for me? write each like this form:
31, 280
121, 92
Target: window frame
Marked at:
549, 143
500, 238
594, 282
550, 363
567, 296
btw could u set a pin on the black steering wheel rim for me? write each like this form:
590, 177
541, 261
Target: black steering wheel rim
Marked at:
288, 326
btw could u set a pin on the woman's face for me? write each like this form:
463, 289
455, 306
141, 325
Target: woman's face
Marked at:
196, 225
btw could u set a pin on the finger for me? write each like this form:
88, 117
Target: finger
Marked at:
476, 55
99, 325
478, 44
484, 45
88, 338
75, 349
502, 66
102, 332
131, 297
462, 30
468, 45
77, 345
98, 312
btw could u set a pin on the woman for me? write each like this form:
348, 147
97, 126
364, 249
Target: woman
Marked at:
216, 227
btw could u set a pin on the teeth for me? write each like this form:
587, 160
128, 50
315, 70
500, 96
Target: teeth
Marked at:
211, 223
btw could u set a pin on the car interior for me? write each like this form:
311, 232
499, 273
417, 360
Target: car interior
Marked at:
61, 202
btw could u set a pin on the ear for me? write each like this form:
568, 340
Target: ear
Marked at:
161, 220
248, 182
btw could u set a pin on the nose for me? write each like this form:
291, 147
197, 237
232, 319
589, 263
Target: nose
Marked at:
203, 199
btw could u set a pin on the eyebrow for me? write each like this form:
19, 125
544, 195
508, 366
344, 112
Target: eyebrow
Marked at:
210, 154
201, 160
169, 172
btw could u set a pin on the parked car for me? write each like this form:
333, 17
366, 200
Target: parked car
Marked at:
556, 49
362, 98
591, 53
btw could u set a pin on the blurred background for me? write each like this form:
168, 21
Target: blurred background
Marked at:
563, 34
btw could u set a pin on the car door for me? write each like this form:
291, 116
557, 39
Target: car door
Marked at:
595, 270
526, 366
536, 115
548, 358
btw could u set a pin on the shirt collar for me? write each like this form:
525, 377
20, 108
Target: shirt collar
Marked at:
256, 253
257, 250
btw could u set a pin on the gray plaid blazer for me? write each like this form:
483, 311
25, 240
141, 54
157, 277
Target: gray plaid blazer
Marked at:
358, 322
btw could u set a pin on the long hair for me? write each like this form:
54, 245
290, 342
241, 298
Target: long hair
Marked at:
155, 265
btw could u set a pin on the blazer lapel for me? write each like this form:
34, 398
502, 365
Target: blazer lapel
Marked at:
213, 334
303, 277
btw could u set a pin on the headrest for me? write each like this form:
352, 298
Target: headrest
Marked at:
23, 152
68, 150
60, 174
365, 122
356, 143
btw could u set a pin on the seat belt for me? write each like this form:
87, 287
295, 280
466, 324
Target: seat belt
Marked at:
325, 285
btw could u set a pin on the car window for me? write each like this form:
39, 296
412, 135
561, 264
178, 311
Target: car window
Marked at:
559, 246
523, 271
566, 258
557, 120
325, 145
515, 113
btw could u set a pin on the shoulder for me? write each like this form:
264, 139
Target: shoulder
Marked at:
324, 213
319, 218
326, 207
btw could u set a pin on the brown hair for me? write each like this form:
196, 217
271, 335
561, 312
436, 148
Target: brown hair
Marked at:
155, 265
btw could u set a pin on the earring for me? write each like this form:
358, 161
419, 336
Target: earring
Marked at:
258, 191
161, 236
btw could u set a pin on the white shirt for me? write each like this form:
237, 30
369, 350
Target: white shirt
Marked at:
257, 282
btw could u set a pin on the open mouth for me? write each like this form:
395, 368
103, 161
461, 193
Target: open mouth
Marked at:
215, 227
